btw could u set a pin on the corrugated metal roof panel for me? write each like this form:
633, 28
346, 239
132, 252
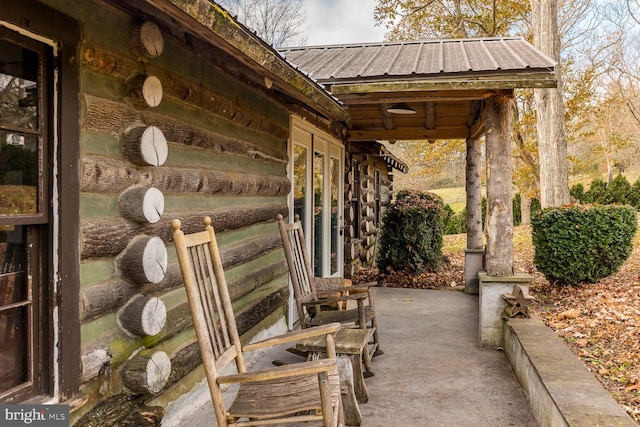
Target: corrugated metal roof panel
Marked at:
422, 58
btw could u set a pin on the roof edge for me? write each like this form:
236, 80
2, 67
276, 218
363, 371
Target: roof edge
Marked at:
216, 25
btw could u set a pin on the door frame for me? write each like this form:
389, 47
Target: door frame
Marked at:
315, 141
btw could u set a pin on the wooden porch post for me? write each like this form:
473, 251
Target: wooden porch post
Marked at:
474, 253
499, 258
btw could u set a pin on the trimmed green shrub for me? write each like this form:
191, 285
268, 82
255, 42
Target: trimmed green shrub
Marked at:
634, 195
456, 223
577, 192
596, 192
517, 210
411, 235
582, 243
617, 191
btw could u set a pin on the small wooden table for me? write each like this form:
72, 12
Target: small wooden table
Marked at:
352, 350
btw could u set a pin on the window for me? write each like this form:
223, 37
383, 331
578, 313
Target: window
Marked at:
25, 99
355, 168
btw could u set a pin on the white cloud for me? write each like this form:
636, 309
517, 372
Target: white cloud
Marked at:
341, 22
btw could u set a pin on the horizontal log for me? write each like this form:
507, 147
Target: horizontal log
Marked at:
144, 260
147, 372
142, 204
250, 316
109, 236
119, 408
120, 346
106, 116
144, 416
145, 146
144, 91
110, 411
143, 315
146, 40
243, 285
109, 296
116, 66
93, 362
108, 175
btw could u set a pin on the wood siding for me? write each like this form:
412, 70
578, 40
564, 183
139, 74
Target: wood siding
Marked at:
226, 158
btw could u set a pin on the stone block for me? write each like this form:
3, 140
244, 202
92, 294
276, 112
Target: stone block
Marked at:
492, 305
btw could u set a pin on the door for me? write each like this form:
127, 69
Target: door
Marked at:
316, 170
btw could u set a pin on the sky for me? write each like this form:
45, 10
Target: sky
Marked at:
341, 22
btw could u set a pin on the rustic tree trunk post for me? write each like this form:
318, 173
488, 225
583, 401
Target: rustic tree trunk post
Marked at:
474, 253
499, 277
143, 316
499, 188
147, 372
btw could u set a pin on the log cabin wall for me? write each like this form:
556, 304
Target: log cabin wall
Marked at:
165, 134
368, 192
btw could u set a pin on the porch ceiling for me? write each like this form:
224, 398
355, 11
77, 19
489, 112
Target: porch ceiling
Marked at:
444, 81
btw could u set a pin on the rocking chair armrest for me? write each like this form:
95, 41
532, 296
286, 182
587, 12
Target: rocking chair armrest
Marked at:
326, 287
364, 286
330, 328
351, 297
284, 371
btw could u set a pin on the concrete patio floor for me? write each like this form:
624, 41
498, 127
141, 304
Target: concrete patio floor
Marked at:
432, 372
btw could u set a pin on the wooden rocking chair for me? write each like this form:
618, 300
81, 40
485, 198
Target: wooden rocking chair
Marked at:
295, 393
314, 294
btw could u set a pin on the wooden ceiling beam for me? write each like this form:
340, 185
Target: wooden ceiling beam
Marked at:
407, 134
374, 99
408, 86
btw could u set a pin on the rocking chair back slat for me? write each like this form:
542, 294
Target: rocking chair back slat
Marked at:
265, 397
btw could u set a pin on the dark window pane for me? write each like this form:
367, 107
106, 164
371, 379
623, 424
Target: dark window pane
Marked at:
300, 182
13, 352
12, 258
335, 232
318, 206
19, 69
18, 174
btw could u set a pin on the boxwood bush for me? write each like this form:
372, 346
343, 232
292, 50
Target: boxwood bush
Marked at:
411, 236
579, 244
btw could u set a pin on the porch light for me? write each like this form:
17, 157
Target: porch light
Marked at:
401, 108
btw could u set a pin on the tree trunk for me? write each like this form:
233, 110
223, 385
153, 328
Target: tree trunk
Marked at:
474, 195
144, 260
552, 141
499, 188
525, 210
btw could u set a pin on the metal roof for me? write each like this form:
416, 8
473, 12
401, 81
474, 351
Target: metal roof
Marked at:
443, 83
375, 61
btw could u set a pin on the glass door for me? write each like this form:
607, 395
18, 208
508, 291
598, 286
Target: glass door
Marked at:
315, 170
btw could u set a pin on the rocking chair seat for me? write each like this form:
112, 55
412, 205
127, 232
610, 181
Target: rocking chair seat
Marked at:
341, 316
279, 397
